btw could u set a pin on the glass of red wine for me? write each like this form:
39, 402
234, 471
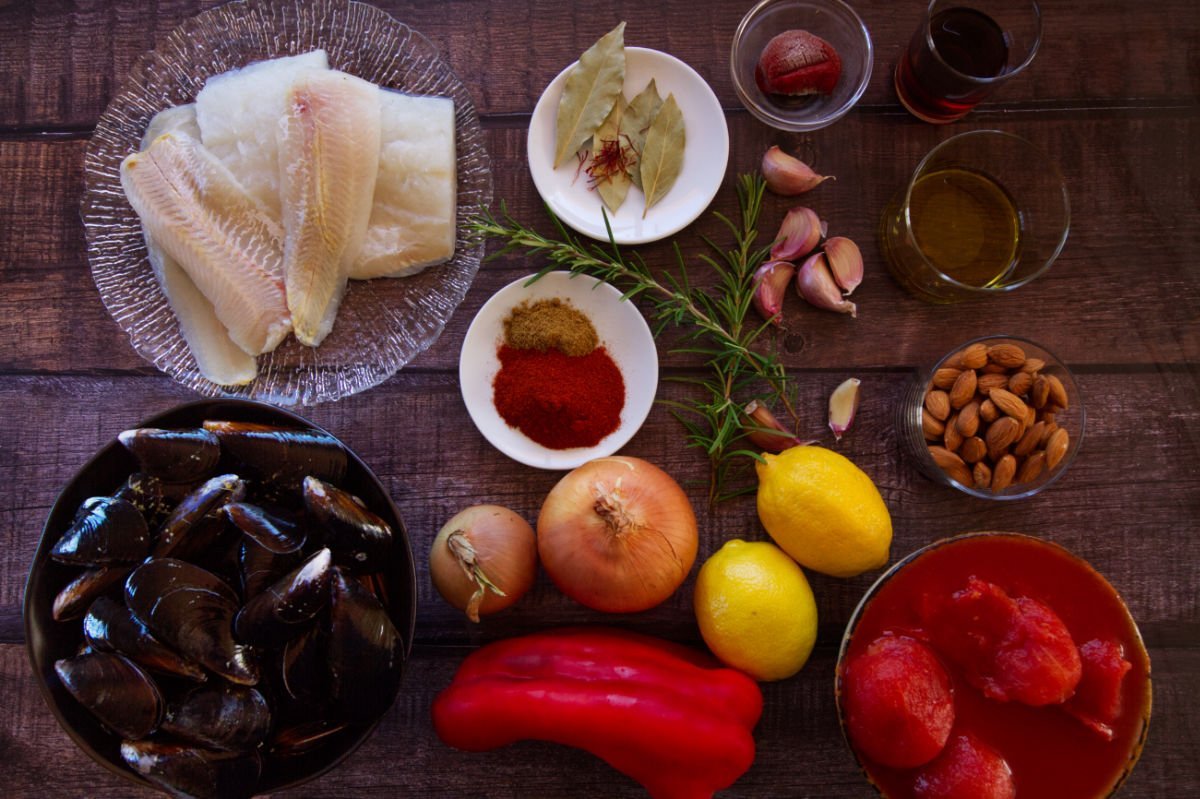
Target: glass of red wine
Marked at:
961, 53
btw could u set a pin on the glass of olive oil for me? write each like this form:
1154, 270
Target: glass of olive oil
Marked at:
984, 212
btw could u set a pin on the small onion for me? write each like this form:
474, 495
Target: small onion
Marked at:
617, 535
483, 560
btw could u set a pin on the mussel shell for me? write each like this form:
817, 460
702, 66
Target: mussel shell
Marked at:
366, 652
194, 771
106, 530
223, 716
269, 530
359, 538
261, 567
152, 496
279, 454
110, 626
177, 456
284, 610
304, 737
304, 668
77, 596
191, 610
186, 519
115, 689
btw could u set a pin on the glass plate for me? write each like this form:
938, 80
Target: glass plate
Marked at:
382, 324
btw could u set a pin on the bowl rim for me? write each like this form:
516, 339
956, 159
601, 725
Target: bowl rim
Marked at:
113, 448
784, 122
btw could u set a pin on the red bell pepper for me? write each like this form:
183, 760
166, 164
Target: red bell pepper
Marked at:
669, 717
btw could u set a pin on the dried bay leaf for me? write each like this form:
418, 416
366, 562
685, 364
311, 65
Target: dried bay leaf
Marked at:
591, 89
662, 157
614, 186
638, 116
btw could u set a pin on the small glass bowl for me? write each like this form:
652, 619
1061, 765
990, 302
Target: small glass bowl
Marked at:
831, 20
911, 429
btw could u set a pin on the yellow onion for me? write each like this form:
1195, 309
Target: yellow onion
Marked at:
617, 534
483, 560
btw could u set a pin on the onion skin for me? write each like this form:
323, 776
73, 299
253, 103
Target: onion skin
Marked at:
617, 534
505, 551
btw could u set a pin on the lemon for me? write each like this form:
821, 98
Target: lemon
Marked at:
756, 610
824, 511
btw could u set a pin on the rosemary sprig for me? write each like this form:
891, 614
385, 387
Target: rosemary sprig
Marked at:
715, 320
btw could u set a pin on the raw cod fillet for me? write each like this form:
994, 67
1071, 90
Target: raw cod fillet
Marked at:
328, 162
229, 246
412, 221
218, 358
238, 113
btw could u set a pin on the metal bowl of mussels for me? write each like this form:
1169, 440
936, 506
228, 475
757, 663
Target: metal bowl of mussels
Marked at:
222, 602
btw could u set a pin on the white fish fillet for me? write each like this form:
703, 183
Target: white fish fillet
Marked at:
226, 242
328, 162
238, 113
412, 221
217, 357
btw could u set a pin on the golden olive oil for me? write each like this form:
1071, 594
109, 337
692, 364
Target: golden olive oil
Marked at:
966, 225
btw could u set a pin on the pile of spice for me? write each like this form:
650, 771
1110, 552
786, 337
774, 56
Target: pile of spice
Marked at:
556, 384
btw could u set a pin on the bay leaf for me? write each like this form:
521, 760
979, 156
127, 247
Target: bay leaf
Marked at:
638, 116
590, 91
611, 187
662, 157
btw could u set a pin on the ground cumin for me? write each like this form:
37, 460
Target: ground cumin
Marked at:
550, 324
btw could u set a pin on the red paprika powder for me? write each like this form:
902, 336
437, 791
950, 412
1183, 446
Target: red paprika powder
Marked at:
559, 401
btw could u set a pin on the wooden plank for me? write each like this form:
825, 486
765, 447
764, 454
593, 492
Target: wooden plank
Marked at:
1133, 217
800, 750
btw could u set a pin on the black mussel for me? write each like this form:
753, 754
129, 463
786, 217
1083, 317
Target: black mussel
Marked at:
304, 669
366, 652
270, 530
193, 771
285, 609
177, 456
153, 497
359, 539
74, 599
281, 455
261, 567
191, 610
306, 736
106, 530
192, 514
223, 716
110, 626
115, 689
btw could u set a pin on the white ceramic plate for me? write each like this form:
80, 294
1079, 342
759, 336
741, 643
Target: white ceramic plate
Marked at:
704, 159
622, 331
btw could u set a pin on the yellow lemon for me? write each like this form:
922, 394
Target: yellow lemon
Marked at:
824, 511
756, 610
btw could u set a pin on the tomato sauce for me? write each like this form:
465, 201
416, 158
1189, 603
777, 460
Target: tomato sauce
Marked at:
1051, 753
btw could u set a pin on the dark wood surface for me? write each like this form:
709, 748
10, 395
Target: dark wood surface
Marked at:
1114, 96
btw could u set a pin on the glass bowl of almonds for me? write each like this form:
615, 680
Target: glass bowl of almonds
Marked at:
999, 417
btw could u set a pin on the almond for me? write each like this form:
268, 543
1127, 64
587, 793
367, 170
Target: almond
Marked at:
963, 389
1003, 473
1020, 383
1032, 468
931, 427
953, 438
986, 383
1048, 430
1058, 392
1056, 447
1008, 403
952, 465
993, 369
987, 411
968, 419
1033, 365
1000, 436
1010, 356
973, 449
1040, 392
944, 378
1030, 441
975, 356
937, 402
982, 473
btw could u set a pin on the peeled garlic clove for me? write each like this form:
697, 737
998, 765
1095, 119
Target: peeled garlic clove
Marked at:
787, 175
799, 234
843, 403
845, 262
815, 284
771, 281
765, 431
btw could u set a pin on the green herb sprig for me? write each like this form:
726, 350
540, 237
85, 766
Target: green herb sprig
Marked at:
715, 320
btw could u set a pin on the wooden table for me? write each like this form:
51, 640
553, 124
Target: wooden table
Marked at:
1113, 96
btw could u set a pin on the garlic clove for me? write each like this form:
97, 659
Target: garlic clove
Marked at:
799, 234
771, 282
815, 283
765, 431
787, 175
843, 404
845, 262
